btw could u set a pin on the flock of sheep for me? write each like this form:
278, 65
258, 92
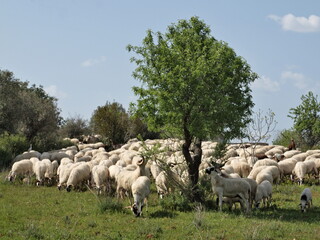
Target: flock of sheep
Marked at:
246, 174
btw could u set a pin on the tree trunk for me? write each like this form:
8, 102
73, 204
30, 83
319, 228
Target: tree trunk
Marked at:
193, 166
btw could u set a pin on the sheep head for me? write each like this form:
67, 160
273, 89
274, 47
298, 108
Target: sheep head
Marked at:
136, 210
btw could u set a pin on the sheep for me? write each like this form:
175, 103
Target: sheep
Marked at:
64, 173
78, 175
300, 157
140, 190
292, 145
300, 170
165, 184
242, 168
286, 167
21, 168
270, 173
255, 171
265, 162
100, 178
229, 187
264, 193
114, 170
305, 199
40, 170
126, 178
291, 153
311, 167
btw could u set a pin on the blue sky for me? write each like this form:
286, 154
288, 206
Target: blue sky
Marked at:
76, 49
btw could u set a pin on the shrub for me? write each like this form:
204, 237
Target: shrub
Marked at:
10, 146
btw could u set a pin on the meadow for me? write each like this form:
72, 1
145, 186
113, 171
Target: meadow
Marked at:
30, 212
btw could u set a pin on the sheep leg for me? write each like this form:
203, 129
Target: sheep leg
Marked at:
220, 201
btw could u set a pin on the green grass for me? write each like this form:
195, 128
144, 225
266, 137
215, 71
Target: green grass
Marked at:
30, 212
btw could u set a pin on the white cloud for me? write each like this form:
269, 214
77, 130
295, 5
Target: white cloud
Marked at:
55, 92
93, 61
298, 79
265, 83
290, 22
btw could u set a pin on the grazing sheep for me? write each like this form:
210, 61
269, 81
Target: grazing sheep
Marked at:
311, 167
270, 173
164, 184
300, 170
40, 170
229, 187
78, 175
126, 178
264, 193
286, 167
305, 199
300, 157
100, 178
140, 190
64, 173
21, 168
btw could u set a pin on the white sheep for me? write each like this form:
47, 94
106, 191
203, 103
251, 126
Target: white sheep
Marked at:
264, 193
140, 191
300, 170
270, 173
126, 178
21, 168
100, 178
40, 170
305, 199
265, 162
78, 175
286, 166
229, 187
242, 168
64, 173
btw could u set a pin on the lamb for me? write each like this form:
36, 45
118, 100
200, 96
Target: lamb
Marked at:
264, 193
100, 178
229, 187
78, 175
126, 178
140, 191
21, 168
305, 199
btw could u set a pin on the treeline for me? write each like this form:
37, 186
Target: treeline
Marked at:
31, 119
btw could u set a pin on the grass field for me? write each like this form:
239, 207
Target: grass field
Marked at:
30, 212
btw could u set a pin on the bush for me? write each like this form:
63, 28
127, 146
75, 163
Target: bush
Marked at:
10, 146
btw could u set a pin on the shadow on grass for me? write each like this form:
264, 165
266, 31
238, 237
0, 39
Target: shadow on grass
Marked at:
284, 214
163, 214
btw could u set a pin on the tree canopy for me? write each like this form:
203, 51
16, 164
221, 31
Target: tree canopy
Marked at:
26, 110
193, 86
306, 119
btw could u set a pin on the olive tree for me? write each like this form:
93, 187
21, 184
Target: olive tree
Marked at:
193, 86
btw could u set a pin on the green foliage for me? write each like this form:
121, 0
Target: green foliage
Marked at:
306, 119
111, 121
191, 82
11, 146
284, 138
74, 127
26, 110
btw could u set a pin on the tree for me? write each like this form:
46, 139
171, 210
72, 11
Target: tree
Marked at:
306, 119
27, 110
74, 127
192, 86
111, 121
